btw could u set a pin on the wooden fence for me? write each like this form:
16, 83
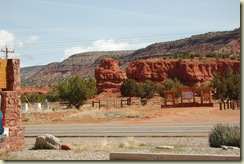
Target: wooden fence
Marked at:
121, 103
227, 104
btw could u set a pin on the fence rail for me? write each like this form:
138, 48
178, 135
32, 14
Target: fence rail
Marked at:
121, 103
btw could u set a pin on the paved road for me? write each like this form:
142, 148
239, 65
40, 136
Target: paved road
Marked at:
120, 130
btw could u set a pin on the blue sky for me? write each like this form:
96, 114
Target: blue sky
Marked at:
44, 31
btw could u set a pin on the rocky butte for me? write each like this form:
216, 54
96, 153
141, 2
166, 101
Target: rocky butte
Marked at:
109, 76
189, 72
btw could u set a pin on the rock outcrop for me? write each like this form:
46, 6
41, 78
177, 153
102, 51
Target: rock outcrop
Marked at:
190, 72
109, 76
84, 64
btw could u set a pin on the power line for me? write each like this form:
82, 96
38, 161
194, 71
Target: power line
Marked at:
128, 39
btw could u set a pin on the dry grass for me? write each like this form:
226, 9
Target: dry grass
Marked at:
103, 146
130, 142
102, 114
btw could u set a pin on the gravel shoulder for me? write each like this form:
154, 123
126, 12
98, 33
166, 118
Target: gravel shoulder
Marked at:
98, 148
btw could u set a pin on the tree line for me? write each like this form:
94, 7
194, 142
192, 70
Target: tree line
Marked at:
76, 90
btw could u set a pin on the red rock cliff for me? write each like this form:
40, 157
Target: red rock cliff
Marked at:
108, 75
190, 72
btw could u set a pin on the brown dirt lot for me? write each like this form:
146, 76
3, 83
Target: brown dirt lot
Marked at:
132, 114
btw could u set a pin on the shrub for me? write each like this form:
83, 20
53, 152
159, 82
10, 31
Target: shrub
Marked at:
233, 58
227, 86
128, 88
210, 55
34, 97
192, 56
75, 90
225, 135
169, 84
146, 90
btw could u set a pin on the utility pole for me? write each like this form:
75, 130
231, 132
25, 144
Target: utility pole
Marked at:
7, 51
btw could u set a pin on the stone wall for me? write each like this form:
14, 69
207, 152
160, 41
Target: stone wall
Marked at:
11, 108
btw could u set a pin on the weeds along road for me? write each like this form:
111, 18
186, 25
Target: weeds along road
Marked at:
119, 130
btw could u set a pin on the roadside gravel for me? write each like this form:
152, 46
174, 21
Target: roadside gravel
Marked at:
98, 148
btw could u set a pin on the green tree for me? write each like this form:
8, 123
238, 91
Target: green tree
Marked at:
146, 90
75, 90
169, 84
131, 88
172, 84
227, 86
34, 97
128, 88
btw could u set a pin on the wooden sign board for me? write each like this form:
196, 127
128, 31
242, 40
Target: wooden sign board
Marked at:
205, 96
3, 74
187, 95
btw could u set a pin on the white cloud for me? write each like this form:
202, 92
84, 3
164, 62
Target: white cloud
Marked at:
6, 38
105, 45
32, 40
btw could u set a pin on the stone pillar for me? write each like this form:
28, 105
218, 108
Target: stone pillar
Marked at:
10, 107
13, 75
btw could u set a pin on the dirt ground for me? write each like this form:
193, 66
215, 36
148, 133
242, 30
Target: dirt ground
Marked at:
135, 114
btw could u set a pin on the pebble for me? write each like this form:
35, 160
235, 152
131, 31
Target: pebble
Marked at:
91, 148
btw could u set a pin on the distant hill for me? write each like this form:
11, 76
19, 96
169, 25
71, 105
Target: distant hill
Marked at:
226, 42
84, 64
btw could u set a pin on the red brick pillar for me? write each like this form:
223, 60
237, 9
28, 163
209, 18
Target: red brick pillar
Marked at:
10, 107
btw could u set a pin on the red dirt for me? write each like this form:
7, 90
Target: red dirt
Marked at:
151, 115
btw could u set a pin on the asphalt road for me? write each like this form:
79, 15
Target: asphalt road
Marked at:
93, 130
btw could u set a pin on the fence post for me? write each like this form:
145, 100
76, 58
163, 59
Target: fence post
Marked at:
92, 103
224, 105
228, 104
220, 106
129, 101
121, 103
237, 103
99, 104
233, 105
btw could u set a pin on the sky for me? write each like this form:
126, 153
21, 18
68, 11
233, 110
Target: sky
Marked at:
45, 31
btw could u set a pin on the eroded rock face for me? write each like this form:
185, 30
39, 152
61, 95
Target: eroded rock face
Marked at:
190, 72
108, 75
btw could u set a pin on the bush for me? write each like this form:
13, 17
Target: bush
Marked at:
146, 90
227, 86
169, 84
34, 97
128, 88
75, 90
210, 55
225, 135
